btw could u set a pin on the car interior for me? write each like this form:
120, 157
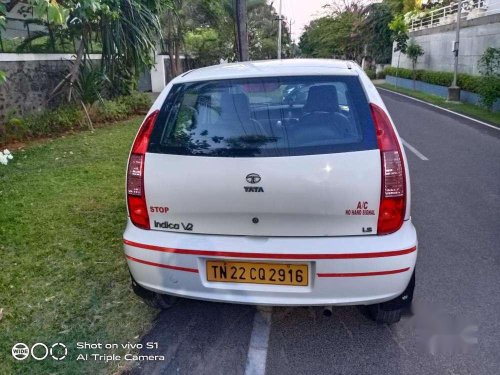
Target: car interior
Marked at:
302, 116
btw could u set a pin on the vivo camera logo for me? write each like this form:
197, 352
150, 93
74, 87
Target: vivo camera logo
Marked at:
39, 351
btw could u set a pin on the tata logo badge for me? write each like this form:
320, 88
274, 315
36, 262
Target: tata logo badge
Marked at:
253, 178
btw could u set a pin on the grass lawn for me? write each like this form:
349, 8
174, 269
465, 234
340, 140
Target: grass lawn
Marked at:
467, 109
63, 276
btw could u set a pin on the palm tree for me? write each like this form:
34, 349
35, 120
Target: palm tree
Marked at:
129, 39
127, 30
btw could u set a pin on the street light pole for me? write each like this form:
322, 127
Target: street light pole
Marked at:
279, 32
457, 42
454, 90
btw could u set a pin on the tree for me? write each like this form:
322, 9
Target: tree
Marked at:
242, 30
231, 11
399, 33
349, 16
200, 28
313, 42
378, 35
263, 33
489, 67
174, 29
489, 63
352, 30
334, 36
400, 37
414, 51
127, 30
209, 30
203, 44
403, 6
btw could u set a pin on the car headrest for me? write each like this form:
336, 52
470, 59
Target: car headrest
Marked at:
322, 99
203, 101
234, 107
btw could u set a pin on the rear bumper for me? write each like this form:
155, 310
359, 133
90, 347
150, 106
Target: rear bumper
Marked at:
343, 270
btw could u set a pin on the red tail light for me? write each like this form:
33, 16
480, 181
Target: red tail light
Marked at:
393, 197
136, 199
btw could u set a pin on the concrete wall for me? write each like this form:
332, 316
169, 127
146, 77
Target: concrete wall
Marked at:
30, 80
160, 72
32, 77
475, 36
28, 85
145, 83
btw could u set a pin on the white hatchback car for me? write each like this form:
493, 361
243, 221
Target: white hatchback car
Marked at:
273, 183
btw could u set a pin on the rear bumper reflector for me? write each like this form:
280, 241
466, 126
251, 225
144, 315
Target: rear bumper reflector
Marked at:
160, 265
361, 274
230, 254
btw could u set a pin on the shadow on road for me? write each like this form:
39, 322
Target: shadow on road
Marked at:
198, 337
347, 342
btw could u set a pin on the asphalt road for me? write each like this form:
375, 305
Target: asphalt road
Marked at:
455, 325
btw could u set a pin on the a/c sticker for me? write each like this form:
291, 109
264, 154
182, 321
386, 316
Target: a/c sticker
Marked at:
362, 209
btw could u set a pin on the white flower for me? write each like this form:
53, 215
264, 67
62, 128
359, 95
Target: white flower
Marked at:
5, 156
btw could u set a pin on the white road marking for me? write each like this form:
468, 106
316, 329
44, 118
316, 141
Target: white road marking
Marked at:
414, 150
443, 109
257, 350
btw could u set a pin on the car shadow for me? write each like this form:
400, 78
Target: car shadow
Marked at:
197, 337
305, 341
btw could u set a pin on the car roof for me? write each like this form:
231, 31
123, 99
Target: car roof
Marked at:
270, 68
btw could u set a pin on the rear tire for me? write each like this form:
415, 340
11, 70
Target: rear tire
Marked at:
384, 317
161, 301
390, 312
152, 299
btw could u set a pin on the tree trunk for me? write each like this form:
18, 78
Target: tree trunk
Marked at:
236, 42
51, 33
170, 46
397, 71
241, 24
178, 62
413, 73
75, 69
171, 64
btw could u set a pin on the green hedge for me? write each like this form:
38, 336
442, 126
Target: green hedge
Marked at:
370, 73
52, 122
465, 81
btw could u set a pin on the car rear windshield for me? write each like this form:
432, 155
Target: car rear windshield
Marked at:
256, 117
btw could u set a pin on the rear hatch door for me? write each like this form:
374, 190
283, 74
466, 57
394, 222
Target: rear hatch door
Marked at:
239, 157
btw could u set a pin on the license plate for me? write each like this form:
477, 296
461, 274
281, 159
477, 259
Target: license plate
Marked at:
258, 273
